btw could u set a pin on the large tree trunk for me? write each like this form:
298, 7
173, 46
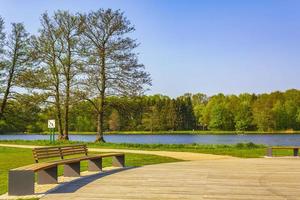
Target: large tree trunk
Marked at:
59, 116
99, 136
67, 71
59, 125
67, 102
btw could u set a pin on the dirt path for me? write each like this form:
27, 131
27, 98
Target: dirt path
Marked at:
188, 156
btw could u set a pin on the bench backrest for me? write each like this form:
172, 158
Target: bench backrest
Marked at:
285, 147
59, 151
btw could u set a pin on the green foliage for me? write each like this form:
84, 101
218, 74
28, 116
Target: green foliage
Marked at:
221, 118
243, 117
273, 112
21, 115
114, 121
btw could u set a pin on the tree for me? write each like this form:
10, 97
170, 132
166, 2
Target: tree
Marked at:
45, 75
199, 111
113, 67
243, 117
69, 36
14, 60
280, 116
81, 117
114, 121
263, 116
151, 119
221, 118
187, 113
169, 115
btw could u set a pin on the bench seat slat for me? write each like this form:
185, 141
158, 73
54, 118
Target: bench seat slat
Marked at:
36, 166
48, 156
47, 153
73, 147
46, 149
71, 160
72, 150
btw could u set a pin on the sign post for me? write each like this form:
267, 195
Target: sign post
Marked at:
51, 126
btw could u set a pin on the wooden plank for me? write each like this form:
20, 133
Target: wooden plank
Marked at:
60, 151
234, 179
70, 150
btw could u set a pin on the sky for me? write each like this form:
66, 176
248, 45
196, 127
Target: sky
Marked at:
207, 46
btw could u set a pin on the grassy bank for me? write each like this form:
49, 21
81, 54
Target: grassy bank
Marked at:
243, 150
15, 157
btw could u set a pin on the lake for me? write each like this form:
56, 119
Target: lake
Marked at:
278, 139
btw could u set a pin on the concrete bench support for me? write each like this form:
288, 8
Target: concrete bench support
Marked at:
47, 176
269, 152
118, 161
296, 152
20, 182
72, 169
95, 165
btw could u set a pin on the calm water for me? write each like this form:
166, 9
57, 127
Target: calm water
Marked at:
283, 140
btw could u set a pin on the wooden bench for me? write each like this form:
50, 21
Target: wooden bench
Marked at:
270, 150
21, 180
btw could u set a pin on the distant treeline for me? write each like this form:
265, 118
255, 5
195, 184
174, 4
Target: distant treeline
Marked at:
245, 112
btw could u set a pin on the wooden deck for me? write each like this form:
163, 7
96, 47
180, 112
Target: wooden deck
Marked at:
207, 179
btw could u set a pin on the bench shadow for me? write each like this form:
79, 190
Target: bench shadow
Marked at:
72, 186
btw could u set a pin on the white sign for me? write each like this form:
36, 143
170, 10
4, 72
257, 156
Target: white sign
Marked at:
51, 123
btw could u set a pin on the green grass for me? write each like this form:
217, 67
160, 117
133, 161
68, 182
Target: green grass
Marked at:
15, 157
243, 150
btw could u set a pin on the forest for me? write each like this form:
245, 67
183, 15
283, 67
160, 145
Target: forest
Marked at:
244, 112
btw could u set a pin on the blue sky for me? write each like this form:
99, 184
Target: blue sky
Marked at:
203, 46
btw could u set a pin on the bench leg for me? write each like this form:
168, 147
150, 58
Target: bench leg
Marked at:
269, 152
47, 176
118, 161
72, 169
20, 182
296, 152
95, 165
